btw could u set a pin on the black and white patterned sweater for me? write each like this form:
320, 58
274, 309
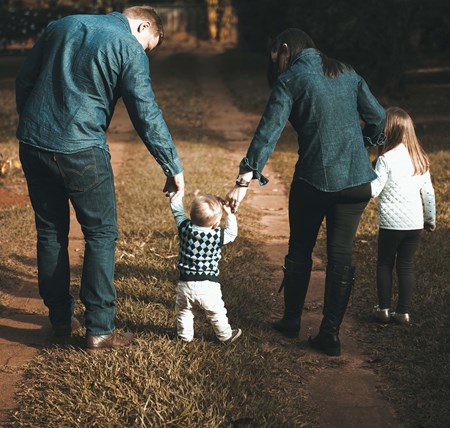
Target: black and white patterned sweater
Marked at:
200, 247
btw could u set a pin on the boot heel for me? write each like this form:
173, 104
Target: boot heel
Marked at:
287, 328
328, 344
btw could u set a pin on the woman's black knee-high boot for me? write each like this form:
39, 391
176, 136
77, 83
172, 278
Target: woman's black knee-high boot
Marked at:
295, 284
338, 286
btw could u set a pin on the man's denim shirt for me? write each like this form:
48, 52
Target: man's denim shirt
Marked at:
69, 85
326, 114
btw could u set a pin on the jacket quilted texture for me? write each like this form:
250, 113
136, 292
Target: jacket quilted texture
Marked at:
400, 193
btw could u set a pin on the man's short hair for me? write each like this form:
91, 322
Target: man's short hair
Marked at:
147, 13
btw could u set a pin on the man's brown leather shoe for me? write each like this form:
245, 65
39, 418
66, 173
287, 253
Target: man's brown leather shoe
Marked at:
107, 341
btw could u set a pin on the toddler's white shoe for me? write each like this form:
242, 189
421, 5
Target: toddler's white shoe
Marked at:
235, 334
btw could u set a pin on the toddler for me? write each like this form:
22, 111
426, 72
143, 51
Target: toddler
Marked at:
201, 239
403, 182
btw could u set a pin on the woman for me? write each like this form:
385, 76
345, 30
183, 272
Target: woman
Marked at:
324, 100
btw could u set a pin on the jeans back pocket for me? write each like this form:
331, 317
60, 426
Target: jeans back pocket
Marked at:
79, 170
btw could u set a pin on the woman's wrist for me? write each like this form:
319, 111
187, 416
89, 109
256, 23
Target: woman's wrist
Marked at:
240, 182
243, 180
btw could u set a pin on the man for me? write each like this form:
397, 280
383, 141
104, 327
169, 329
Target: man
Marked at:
66, 92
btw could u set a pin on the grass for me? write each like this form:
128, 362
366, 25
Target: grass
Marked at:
161, 382
413, 362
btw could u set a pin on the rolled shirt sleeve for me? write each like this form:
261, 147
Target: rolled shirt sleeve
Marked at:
146, 116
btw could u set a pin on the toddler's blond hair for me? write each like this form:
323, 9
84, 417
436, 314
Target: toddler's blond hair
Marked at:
206, 210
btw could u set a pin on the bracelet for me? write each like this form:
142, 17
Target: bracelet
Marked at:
240, 182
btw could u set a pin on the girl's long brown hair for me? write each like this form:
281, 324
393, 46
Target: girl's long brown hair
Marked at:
399, 129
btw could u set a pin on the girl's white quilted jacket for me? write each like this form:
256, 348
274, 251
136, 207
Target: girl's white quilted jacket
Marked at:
400, 193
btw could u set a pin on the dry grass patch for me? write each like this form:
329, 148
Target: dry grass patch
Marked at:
160, 381
413, 362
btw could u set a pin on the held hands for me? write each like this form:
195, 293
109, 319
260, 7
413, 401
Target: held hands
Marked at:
174, 186
234, 197
226, 208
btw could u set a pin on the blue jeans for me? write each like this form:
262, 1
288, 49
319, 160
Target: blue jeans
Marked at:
86, 179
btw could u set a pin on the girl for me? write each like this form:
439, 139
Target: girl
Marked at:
403, 182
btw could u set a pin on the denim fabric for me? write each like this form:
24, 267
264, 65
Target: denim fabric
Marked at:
325, 113
70, 82
86, 179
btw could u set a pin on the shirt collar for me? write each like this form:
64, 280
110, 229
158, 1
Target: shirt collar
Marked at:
122, 18
305, 54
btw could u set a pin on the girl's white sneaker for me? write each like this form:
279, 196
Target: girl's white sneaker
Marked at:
382, 315
400, 318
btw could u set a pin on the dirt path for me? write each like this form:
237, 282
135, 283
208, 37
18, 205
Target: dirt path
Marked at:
24, 324
344, 396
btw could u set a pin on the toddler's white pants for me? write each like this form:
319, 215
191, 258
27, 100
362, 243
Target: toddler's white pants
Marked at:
206, 295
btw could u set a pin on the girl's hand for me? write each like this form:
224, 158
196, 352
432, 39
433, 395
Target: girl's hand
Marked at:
234, 197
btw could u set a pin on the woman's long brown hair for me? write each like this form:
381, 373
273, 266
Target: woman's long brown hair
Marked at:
297, 40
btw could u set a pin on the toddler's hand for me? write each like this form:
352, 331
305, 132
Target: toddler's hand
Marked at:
226, 208
429, 227
174, 196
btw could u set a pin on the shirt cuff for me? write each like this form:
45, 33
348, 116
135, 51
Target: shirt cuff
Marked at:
374, 143
245, 166
173, 168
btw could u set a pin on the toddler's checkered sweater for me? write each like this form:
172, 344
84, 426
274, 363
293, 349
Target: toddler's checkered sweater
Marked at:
200, 247
199, 253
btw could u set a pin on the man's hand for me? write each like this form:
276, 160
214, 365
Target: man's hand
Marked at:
175, 185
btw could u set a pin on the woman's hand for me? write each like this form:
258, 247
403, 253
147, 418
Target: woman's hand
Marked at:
234, 197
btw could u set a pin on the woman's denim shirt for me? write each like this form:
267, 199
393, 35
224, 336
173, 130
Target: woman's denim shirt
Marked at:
326, 114
68, 87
